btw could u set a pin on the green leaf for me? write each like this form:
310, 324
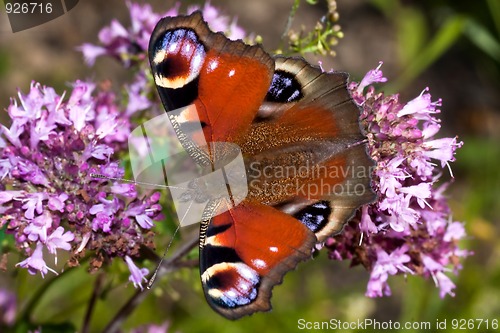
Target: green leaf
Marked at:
57, 328
495, 13
483, 39
412, 34
2, 235
447, 35
388, 7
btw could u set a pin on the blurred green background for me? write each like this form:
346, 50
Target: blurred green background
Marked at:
453, 47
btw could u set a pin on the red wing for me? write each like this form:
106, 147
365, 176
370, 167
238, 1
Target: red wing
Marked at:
245, 251
226, 80
310, 124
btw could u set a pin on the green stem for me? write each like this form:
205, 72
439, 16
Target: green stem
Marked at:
290, 19
24, 316
95, 295
169, 265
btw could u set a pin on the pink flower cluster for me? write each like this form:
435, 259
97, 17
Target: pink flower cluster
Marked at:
409, 230
49, 201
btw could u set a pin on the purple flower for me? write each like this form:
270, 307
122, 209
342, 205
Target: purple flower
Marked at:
218, 22
411, 211
6, 196
57, 203
121, 43
366, 224
127, 190
35, 262
102, 222
373, 76
49, 152
105, 211
8, 306
144, 213
445, 284
454, 231
378, 287
59, 240
144, 221
442, 150
33, 202
137, 275
152, 328
385, 265
421, 107
420, 192
435, 269
13, 133
91, 52
37, 228
138, 99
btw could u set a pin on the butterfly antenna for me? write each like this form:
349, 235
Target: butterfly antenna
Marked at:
97, 175
151, 281
153, 278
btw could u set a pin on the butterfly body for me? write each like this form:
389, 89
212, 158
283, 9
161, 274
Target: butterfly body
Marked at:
298, 131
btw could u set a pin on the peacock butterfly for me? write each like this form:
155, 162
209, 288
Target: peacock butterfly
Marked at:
304, 153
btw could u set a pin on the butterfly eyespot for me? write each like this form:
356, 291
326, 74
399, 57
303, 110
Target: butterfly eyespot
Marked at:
284, 88
177, 59
231, 285
315, 216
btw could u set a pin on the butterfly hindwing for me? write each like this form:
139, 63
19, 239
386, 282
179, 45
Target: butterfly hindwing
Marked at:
321, 121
